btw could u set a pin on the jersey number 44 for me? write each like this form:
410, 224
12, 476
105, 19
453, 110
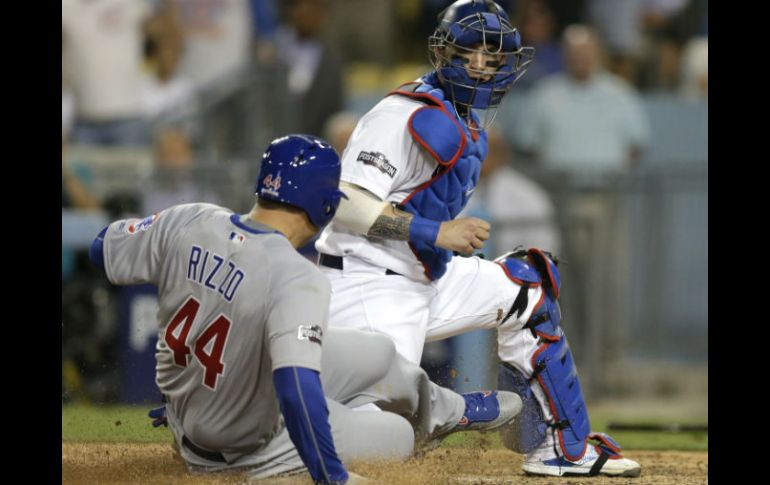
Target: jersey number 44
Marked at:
215, 331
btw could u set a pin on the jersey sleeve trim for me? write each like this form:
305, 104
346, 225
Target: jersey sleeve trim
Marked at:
236, 219
96, 251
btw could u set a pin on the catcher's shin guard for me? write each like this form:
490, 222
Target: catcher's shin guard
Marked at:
553, 368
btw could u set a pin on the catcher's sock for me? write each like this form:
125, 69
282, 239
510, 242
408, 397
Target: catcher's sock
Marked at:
546, 450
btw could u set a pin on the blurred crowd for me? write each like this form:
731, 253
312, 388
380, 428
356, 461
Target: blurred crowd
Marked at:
195, 83
134, 69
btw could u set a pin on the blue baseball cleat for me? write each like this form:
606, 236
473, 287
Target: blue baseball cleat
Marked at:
488, 410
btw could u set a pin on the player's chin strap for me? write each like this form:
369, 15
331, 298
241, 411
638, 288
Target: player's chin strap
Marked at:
554, 369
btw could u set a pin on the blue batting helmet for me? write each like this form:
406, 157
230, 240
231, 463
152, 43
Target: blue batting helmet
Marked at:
302, 171
471, 27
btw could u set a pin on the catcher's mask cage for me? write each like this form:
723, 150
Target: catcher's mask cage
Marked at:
466, 30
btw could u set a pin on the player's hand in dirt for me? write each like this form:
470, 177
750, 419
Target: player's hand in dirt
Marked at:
463, 235
159, 416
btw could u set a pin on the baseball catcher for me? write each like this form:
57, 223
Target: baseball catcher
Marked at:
393, 253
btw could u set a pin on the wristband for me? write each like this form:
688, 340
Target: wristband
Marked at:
423, 230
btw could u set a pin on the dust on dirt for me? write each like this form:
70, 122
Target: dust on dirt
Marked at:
140, 463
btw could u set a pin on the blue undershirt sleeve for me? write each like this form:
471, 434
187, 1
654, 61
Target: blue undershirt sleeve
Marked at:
96, 251
306, 415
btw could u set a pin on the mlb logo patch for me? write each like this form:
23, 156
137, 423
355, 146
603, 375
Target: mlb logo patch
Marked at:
143, 225
237, 237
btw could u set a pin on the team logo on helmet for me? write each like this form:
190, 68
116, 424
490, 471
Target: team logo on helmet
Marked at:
302, 171
270, 185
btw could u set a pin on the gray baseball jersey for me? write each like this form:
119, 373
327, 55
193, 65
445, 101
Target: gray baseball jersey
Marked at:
236, 302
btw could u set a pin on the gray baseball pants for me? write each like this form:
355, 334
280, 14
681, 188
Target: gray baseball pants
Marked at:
358, 369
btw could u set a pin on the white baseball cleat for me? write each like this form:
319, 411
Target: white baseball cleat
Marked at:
591, 464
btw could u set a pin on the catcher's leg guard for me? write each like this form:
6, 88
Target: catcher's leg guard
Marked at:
555, 374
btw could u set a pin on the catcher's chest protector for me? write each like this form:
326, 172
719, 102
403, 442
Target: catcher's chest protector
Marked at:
459, 153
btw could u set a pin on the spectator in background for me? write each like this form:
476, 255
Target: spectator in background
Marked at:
365, 30
103, 49
585, 118
590, 126
173, 181
167, 95
339, 127
695, 69
264, 17
669, 25
222, 40
538, 28
315, 81
67, 100
67, 111
218, 36
621, 25
75, 193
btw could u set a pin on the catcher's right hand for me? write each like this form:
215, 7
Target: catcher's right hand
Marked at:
463, 235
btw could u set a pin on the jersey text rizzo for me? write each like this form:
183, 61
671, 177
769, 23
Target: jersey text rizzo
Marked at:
205, 268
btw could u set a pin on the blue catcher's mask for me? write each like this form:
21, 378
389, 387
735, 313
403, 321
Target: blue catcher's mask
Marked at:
477, 54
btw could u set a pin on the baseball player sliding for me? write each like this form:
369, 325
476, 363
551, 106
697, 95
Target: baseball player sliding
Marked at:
243, 336
408, 170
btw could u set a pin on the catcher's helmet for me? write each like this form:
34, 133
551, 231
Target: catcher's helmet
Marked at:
471, 27
302, 171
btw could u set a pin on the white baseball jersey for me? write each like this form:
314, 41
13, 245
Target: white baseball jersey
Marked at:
383, 158
236, 302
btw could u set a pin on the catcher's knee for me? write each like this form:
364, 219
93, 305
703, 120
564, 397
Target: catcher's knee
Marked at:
532, 269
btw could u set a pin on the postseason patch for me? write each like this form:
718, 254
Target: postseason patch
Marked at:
313, 333
377, 160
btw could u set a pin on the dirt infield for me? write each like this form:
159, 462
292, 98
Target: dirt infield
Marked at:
122, 464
